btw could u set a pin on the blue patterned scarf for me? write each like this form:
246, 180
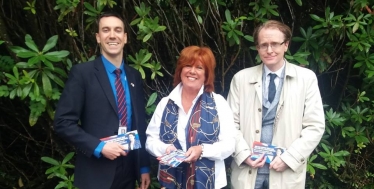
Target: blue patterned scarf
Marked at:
202, 128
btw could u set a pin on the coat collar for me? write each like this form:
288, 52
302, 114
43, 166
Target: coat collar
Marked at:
257, 77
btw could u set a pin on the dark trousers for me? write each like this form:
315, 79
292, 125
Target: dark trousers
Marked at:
125, 175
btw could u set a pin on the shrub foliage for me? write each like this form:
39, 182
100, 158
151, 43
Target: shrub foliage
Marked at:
41, 40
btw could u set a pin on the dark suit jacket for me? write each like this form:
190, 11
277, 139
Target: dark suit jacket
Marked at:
87, 111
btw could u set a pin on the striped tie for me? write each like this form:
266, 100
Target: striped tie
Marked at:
121, 99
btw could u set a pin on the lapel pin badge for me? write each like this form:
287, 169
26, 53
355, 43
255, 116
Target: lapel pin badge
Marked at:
132, 84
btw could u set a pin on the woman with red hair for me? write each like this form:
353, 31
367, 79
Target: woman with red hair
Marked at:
196, 120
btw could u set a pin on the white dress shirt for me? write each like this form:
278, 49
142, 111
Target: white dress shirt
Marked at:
217, 151
276, 79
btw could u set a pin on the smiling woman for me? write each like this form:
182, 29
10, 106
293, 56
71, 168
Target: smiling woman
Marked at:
196, 120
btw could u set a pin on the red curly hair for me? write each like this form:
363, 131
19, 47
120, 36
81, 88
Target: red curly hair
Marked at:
192, 54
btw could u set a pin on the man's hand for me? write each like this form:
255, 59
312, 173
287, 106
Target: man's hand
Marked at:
278, 164
146, 180
259, 162
112, 150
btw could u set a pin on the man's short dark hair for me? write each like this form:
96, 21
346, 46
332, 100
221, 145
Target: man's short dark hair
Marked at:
108, 14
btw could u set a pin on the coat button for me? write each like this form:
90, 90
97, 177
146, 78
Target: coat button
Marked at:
257, 131
250, 171
259, 110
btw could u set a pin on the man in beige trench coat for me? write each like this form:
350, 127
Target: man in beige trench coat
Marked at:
285, 111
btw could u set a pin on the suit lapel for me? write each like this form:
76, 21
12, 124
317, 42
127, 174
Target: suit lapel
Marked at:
132, 84
103, 79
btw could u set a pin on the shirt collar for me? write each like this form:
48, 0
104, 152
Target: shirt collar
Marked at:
109, 66
176, 94
278, 72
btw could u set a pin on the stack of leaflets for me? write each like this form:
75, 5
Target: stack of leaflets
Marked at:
173, 159
129, 140
270, 151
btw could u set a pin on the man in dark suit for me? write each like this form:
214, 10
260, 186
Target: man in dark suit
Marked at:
88, 110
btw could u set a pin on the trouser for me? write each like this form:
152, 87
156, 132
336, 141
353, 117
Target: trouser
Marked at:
125, 175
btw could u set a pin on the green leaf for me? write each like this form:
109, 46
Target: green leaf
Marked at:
69, 166
316, 18
36, 89
52, 58
63, 177
68, 157
228, 15
199, 19
147, 37
273, 12
23, 65
17, 49
15, 72
89, 7
299, 2
249, 38
160, 28
142, 72
152, 99
47, 87
52, 41
4, 91
60, 72
319, 166
31, 44
301, 60
136, 21
34, 60
27, 54
12, 94
61, 184
50, 160
48, 63
51, 170
342, 153
146, 58
26, 90
59, 54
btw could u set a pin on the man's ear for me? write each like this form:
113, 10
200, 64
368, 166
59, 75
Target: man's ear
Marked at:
97, 38
125, 38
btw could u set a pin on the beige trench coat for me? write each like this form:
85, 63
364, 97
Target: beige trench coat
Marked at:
299, 124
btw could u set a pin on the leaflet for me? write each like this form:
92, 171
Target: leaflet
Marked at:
270, 151
173, 159
129, 140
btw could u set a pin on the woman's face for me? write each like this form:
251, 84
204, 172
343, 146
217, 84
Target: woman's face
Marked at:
193, 76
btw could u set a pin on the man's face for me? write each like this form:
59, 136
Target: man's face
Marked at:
132, 138
271, 48
111, 37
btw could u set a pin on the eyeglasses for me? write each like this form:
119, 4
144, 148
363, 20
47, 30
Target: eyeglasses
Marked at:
274, 46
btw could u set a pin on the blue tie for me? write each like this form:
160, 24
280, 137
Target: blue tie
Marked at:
272, 89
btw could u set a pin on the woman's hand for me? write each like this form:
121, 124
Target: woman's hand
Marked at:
170, 149
193, 153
